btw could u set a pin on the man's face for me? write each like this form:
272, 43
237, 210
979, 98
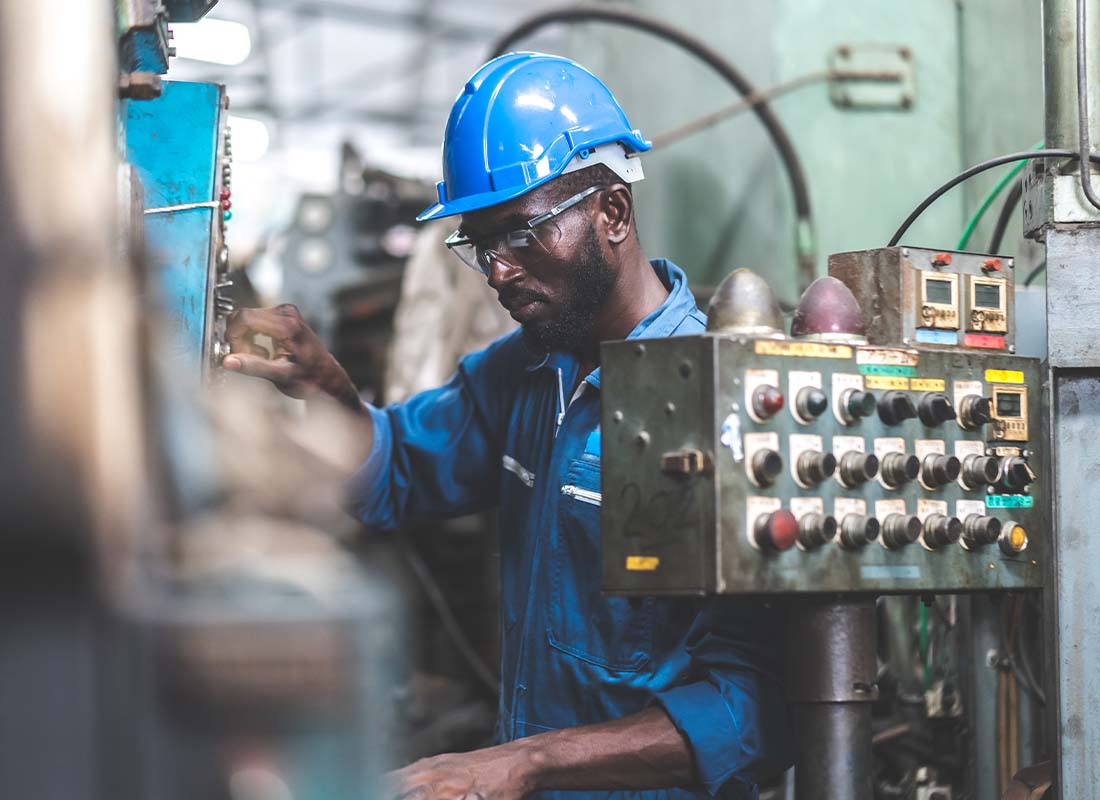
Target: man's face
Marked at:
557, 294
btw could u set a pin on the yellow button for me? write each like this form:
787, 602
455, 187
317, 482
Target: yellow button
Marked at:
1018, 538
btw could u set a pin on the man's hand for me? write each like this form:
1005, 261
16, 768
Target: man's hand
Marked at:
495, 773
299, 365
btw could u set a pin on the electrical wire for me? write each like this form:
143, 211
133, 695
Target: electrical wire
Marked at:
804, 243
1083, 145
988, 201
450, 623
976, 170
1012, 199
1034, 273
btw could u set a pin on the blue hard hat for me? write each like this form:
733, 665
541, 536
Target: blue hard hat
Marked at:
518, 123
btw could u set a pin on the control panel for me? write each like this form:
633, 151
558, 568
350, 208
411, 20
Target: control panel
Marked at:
741, 465
180, 147
931, 298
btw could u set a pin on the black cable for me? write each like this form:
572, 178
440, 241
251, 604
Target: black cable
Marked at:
1083, 145
1012, 199
712, 58
1026, 155
1034, 274
450, 623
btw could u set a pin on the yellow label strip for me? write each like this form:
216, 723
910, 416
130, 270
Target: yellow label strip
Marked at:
886, 382
1004, 376
642, 563
770, 347
928, 385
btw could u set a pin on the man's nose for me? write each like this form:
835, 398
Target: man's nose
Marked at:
501, 273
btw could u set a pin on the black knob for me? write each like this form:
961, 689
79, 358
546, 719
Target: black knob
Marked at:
810, 403
935, 409
940, 531
974, 411
855, 404
814, 467
898, 468
857, 468
766, 466
979, 530
980, 471
899, 530
857, 530
1017, 473
895, 407
939, 470
815, 530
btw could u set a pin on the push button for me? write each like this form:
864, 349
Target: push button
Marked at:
940, 531
857, 468
939, 470
765, 467
814, 467
857, 531
978, 471
899, 530
776, 531
815, 530
899, 469
979, 530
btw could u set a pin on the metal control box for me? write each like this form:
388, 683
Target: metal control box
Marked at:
736, 465
932, 298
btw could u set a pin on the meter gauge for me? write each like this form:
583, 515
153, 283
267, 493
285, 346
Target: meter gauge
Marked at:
988, 299
938, 300
1009, 413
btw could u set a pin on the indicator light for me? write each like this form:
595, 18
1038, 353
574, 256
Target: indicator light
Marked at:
743, 303
1013, 539
828, 309
767, 401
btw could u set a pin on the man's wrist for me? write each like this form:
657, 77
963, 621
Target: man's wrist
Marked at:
533, 762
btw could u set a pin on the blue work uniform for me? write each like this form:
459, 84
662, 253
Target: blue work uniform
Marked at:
504, 432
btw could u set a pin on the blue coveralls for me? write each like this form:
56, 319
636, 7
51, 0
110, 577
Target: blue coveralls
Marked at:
503, 432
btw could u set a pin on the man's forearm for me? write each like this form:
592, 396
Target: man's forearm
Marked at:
641, 751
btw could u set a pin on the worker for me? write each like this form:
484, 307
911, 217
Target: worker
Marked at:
601, 696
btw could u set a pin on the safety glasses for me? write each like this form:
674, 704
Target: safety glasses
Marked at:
518, 248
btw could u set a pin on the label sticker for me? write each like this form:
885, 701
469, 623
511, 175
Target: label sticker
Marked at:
897, 370
927, 336
926, 507
843, 506
754, 507
887, 355
963, 388
770, 347
883, 572
845, 444
801, 506
964, 508
923, 447
984, 340
888, 444
884, 508
1009, 501
642, 563
928, 385
968, 447
887, 382
1004, 376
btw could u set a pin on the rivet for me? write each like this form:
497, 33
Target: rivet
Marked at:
617, 416
642, 439
670, 408
685, 369
639, 350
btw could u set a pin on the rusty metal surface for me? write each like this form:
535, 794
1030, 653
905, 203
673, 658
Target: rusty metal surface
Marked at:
689, 393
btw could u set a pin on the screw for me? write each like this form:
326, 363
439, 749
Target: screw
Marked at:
617, 416
905, 53
642, 439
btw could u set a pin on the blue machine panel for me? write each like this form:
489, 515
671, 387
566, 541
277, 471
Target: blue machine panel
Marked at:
175, 144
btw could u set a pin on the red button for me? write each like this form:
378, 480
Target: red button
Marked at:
941, 259
991, 265
777, 530
767, 401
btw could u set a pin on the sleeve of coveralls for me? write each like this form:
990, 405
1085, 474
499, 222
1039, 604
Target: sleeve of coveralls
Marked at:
436, 454
734, 714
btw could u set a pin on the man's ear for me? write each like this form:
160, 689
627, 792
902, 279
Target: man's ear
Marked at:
617, 207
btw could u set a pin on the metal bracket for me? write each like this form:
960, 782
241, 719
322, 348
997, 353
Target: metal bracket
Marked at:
873, 58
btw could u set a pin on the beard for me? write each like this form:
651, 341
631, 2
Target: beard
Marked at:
590, 282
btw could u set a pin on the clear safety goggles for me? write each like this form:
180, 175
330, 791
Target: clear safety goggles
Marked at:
520, 247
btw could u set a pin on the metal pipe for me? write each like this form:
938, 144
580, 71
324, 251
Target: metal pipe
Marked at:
831, 682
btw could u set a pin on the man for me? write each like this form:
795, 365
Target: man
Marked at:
598, 693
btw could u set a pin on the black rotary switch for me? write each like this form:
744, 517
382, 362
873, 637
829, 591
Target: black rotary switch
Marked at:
940, 531
857, 531
935, 409
766, 466
815, 530
974, 411
899, 530
898, 469
810, 403
979, 530
980, 471
856, 404
939, 470
1017, 473
895, 407
857, 468
814, 467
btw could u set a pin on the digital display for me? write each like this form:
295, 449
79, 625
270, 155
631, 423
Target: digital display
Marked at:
1008, 404
987, 295
937, 292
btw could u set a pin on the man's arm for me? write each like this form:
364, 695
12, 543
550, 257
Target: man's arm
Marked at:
641, 751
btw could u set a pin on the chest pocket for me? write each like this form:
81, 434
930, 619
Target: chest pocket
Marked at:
611, 632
